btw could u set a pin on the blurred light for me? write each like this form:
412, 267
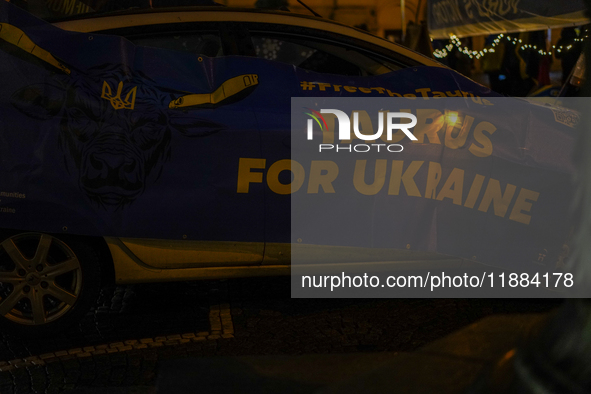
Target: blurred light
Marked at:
451, 118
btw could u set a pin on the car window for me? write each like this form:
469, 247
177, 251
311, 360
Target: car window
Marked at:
203, 38
319, 56
207, 44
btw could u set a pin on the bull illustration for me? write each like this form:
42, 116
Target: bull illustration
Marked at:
116, 124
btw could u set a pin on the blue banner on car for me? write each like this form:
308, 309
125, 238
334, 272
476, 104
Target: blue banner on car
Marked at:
102, 137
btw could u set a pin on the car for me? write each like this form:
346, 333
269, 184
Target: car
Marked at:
151, 145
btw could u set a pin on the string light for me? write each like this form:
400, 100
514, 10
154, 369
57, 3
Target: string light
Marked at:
562, 48
455, 41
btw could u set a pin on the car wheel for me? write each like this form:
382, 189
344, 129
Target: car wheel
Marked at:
46, 283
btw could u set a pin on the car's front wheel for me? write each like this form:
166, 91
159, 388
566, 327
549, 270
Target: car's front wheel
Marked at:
46, 283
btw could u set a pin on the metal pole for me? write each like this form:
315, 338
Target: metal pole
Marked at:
335, 5
402, 9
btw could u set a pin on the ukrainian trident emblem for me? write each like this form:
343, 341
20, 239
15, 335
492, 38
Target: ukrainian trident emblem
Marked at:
116, 101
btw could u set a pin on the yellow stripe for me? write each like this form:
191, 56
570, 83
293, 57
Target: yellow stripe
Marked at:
15, 36
229, 88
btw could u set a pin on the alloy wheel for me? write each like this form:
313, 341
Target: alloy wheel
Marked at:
40, 278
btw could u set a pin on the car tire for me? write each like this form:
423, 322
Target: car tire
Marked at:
47, 282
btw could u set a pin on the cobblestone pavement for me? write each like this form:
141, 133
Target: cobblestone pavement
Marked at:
133, 327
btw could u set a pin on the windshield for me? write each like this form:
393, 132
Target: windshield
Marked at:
58, 9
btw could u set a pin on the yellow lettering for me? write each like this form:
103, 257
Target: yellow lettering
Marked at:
285, 165
476, 99
486, 147
69, 6
246, 176
504, 11
318, 178
455, 179
457, 141
523, 204
433, 178
407, 178
50, 4
474, 191
469, 12
423, 92
378, 180
429, 122
500, 201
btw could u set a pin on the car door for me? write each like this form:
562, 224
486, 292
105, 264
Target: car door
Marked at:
293, 55
193, 216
